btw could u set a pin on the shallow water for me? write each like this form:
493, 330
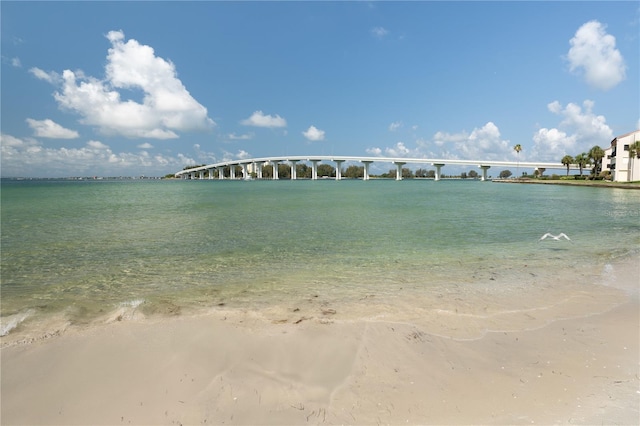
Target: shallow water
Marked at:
77, 252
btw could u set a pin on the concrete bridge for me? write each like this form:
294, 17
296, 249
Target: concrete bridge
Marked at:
258, 163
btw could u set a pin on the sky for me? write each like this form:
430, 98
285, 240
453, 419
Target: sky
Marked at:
148, 88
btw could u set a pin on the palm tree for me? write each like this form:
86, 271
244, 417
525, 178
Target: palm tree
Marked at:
567, 160
581, 160
596, 153
634, 154
517, 149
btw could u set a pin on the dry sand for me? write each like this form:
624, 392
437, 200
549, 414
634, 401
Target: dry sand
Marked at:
229, 367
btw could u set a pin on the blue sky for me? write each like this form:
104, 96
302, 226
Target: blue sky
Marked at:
146, 88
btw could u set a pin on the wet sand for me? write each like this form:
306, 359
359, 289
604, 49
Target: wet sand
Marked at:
239, 367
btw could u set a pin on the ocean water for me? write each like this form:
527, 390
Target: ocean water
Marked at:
78, 253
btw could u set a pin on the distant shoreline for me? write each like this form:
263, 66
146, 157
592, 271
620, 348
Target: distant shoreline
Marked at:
590, 183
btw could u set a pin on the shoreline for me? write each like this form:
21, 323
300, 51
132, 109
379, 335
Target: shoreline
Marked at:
585, 183
239, 367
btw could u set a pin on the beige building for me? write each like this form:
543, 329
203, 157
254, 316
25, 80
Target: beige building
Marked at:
616, 158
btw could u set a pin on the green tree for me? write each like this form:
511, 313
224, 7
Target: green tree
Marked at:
473, 174
407, 173
567, 160
326, 170
596, 153
421, 173
354, 172
517, 148
582, 160
284, 171
634, 155
303, 171
505, 174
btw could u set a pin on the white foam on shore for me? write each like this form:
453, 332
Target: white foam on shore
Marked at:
10, 322
126, 310
132, 303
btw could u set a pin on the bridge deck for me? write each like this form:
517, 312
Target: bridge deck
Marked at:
394, 160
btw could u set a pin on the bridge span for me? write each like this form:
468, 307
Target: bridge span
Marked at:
258, 163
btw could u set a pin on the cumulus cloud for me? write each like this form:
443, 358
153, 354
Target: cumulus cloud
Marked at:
314, 134
145, 145
15, 62
400, 150
594, 52
258, 119
579, 130
552, 144
28, 157
376, 152
166, 108
379, 32
395, 126
240, 155
483, 143
50, 129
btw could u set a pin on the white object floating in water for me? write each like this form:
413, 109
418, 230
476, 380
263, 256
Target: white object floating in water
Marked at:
554, 237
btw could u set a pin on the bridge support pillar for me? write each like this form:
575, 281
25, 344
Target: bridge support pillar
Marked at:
258, 167
338, 169
294, 172
210, 173
314, 169
245, 171
232, 171
220, 170
438, 166
275, 169
484, 172
366, 164
399, 165
200, 174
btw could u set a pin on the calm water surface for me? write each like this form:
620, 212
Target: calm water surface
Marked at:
78, 250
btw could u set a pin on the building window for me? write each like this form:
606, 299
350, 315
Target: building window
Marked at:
626, 147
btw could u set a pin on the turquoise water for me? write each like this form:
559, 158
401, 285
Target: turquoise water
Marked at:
79, 250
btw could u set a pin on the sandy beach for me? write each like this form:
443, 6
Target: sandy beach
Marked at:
245, 368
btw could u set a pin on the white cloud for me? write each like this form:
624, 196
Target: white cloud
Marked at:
395, 126
579, 130
51, 77
484, 143
49, 129
240, 155
145, 145
258, 119
594, 51
552, 144
243, 155
204, 157
243, 137
15, 62
166, 108
379, 32
28, 157
376, 152
314, 134
400, 150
